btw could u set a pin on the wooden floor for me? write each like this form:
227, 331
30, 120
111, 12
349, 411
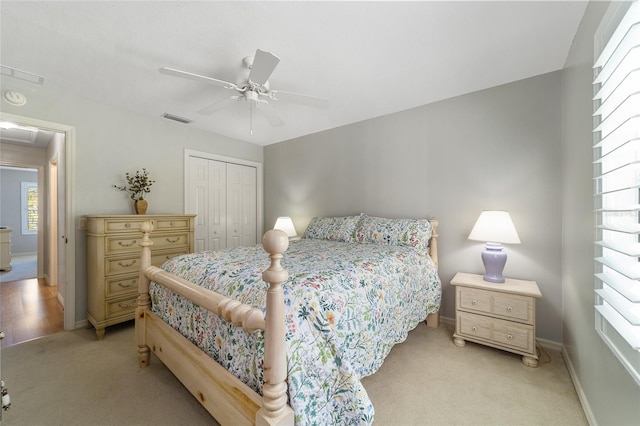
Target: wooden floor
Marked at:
30, 309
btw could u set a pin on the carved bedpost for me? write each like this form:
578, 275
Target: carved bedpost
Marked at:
275, 410
433, 244
433, 320
144, 300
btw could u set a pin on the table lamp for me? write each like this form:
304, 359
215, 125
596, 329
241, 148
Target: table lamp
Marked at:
495, 228
284, 223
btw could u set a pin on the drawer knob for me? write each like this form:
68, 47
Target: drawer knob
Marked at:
474, 302
172, 223
474, 328
509, 337
509, 309
127, 225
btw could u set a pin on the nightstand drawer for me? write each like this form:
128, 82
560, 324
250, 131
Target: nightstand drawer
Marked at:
513, 306
474, 300
475, 326
503, 305
495, 331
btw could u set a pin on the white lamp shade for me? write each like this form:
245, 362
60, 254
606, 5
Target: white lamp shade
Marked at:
496, 227
285, 224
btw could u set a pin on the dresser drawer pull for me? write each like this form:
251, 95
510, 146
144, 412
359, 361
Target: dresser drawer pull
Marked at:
474, 302
509, 309
169, 240
120, 243
509, 337
127, 225
128, 305
172, 223
126, 265
474, 328
123, 285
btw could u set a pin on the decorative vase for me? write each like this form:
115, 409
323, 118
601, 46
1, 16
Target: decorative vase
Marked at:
140, 206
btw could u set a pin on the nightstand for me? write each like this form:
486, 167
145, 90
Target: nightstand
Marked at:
500, 315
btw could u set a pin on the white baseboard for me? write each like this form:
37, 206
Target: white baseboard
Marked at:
576, 383
82, 324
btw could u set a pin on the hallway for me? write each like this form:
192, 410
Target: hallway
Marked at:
30, 309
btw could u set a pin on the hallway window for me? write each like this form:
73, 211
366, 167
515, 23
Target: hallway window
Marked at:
29, 208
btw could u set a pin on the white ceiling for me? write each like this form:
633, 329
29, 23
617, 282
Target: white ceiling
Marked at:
367, 58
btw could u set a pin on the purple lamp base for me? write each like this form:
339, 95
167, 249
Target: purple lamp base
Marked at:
494, 260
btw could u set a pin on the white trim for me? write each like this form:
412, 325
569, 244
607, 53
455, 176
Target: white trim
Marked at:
586, 408
70, 207
259, 184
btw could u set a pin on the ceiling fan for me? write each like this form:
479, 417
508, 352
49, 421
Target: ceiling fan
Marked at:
252, 88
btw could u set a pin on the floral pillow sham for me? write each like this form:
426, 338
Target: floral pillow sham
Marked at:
402, 232
333, 228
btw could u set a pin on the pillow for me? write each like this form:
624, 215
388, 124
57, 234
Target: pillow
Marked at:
402, 232
333, 228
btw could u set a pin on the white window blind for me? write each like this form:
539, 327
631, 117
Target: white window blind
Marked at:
617, 190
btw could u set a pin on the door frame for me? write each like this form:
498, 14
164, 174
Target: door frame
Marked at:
69, 204
188, 153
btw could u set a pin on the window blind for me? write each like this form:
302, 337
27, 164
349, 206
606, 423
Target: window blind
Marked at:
617, 190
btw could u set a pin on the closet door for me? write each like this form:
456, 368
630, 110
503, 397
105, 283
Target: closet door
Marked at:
224, 198
241, 205
217, 205
199, 200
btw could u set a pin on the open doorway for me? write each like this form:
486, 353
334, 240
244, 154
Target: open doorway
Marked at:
56, 242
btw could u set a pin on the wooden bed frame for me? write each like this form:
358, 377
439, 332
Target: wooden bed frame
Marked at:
224, 396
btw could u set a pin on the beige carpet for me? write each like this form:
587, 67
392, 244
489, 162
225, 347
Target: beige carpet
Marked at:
71, 379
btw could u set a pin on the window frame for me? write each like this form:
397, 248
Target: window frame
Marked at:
616, 334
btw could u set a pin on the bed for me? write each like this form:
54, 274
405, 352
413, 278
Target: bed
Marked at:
285, 339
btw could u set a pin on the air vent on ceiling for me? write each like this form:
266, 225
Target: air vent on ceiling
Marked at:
176, 118
22, 75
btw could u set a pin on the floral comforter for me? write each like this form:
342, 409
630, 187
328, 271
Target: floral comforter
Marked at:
347, 304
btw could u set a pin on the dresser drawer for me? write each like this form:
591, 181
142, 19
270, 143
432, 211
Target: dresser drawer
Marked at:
161, 242
517, 336
121, 286
121, 307
172, 223
129, 264
112, 226
503, 305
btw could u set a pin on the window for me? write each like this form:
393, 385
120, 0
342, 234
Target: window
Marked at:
617, 190
29, 207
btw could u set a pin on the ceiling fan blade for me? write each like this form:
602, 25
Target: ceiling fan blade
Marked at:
197, 77
263, 65
297, 98
217, 106
270, 114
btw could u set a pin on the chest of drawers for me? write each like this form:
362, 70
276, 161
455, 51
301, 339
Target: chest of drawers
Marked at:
113, 261
501, 315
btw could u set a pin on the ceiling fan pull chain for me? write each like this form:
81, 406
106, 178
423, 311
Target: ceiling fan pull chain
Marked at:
251, 118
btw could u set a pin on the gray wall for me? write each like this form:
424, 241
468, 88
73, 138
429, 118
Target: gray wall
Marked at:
490, 150
111, 141
10, 208
613, 397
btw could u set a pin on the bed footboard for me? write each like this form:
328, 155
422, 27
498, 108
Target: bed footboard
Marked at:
227, 399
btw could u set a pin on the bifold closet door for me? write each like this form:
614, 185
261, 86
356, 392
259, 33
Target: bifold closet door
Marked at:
224, 198
241, 205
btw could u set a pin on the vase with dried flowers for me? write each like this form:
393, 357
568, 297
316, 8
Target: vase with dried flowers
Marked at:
137, 185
